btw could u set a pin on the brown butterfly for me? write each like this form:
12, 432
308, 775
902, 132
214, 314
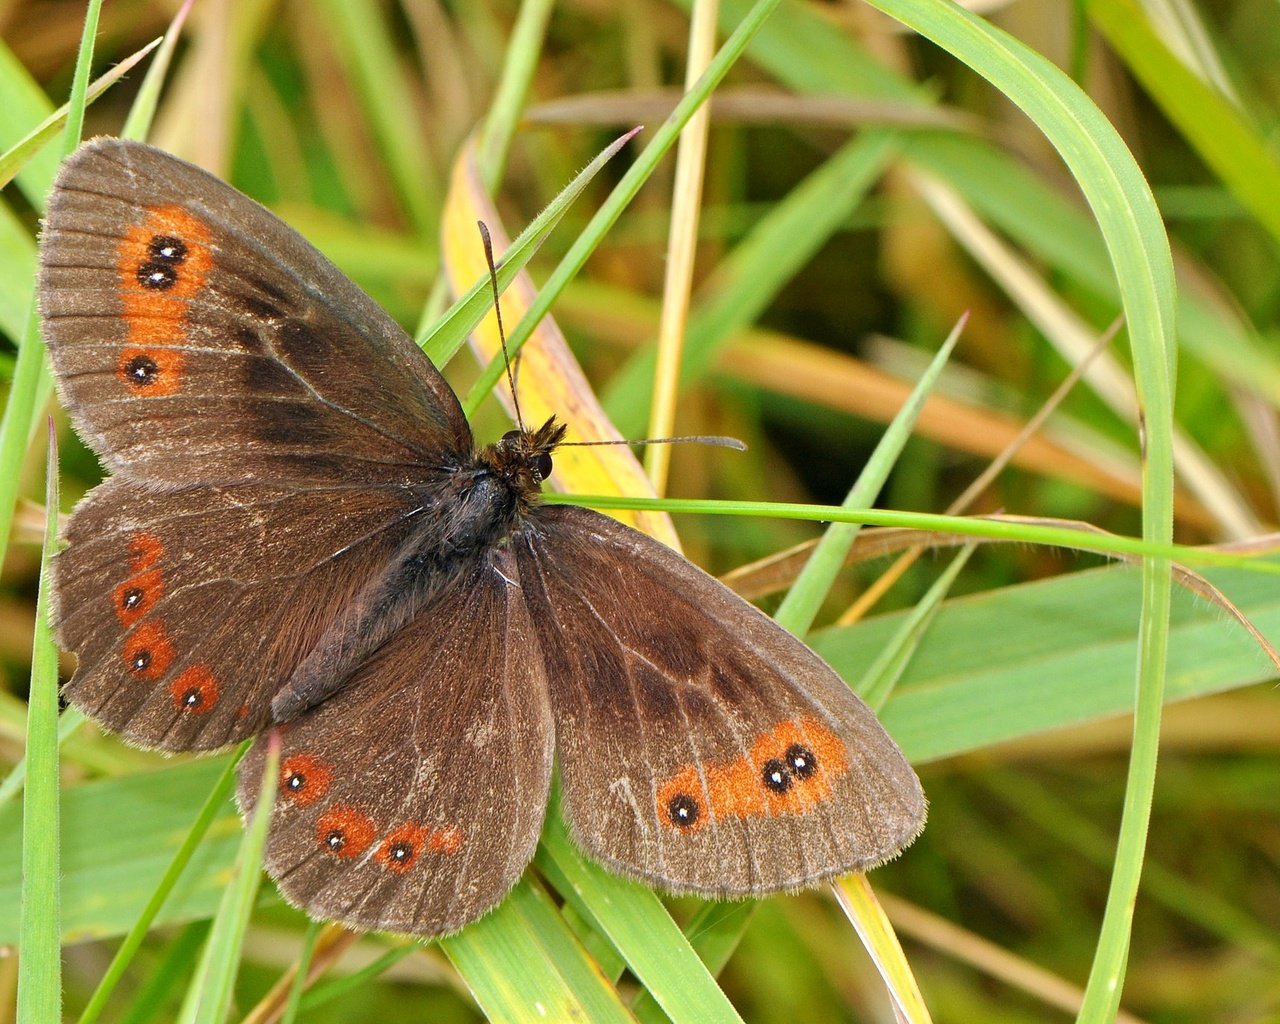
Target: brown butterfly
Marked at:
298, 531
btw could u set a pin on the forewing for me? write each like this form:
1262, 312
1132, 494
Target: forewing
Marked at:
413, 799
701, 746
188, 609
198, 339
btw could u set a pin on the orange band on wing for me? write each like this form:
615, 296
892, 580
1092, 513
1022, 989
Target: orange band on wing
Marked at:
161, 264
788, 770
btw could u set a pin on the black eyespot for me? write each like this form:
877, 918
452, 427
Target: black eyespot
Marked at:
141, 659
157, 275
776, 775
167, 249
131, 598
296, 782
684, 811
193, 698
801, 760
401, 852
542, 466
142, 369
335, 840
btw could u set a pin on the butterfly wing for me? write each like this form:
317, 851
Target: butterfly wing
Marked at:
190, 608
701, 746
412, 800
198, 339
266, 425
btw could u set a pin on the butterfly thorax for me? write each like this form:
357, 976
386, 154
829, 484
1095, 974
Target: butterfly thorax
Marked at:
463, 516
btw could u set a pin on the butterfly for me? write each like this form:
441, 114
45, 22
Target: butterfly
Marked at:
298, 533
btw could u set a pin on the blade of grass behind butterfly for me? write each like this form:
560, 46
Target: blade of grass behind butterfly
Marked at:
634, 920
449, 334
778, 245
800, 606
20, 153
214, 804
143, 110
493, 139
31, 382
608, 213
209, 996
522, 962
550, 380
1130, 222
40, 966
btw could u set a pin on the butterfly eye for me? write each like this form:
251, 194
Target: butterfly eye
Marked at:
776, 775
511, 435
683, 810
801, 760
542, 465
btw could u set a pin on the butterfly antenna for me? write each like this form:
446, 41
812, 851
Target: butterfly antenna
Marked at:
715, 440
497, 312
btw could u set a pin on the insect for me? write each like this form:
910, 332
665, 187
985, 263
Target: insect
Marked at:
297, 530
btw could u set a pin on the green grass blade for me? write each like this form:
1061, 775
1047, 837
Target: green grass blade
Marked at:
635, 922
16, 156
522, 963
143, 111
336, 987
626, 189
210, 995
523, 52
214, 805
883, 673
299, 986
450, 333
1131, 226
25, 104
40, 966
803, 601
749, 279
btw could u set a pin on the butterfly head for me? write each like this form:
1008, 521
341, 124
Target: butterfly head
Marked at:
522, 458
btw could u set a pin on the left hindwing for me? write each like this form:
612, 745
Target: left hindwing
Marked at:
412, 799
701, 745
